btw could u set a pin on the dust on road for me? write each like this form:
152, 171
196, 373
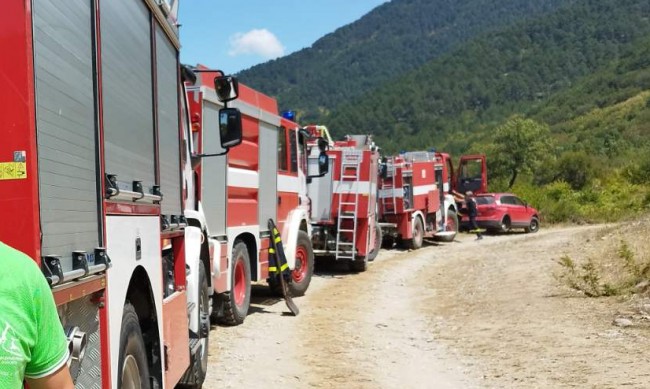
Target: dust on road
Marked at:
466, 314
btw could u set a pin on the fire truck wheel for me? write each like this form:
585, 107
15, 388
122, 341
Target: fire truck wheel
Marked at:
375, 250
387, 242
359, 265
195, 374
237, 301
418, 235
133, 366
303, 269
451, 225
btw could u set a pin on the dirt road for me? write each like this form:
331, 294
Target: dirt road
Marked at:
468, 314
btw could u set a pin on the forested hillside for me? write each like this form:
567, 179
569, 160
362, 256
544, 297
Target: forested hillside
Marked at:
557, 94
447, 101
393, 39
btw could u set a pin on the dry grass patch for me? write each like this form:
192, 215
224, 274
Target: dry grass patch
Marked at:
614, 262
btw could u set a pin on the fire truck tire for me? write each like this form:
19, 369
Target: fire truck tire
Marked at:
387, 242
418, 235
378, 242
303, 269
133, 366
238, 299
195, 374
452, 226
359, 265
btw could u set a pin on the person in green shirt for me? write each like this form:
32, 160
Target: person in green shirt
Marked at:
33, 347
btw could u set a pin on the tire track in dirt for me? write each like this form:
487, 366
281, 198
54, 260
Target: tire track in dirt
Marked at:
406, 322
365, 330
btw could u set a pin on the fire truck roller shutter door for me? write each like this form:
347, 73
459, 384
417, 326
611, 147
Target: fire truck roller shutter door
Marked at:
65, 121
268, 174
168, 132
127, 93
214, 172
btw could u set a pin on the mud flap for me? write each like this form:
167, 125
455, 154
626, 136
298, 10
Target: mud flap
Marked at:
279, 268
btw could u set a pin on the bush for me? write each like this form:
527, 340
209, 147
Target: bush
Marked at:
610, 275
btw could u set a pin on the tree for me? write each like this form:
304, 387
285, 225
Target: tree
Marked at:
520, 145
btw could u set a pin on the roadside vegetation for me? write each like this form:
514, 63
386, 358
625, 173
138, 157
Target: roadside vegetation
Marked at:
598, 172
615, 263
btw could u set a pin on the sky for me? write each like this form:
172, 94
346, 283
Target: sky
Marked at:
236, 35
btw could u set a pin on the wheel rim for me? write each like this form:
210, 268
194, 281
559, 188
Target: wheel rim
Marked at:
300, 270
534, 225
450, 224
240, 282
131, 374
505, 224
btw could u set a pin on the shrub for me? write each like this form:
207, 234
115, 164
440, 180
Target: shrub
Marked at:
604, 276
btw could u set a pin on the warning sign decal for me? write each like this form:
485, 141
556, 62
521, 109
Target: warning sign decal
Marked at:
13, 170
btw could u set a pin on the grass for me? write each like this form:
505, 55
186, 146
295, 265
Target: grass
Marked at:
617, 264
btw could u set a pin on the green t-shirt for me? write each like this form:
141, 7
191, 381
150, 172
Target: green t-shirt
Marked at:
32, 342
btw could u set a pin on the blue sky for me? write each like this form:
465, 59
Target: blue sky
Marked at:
236, 35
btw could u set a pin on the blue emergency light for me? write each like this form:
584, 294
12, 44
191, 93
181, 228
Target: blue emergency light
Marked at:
289, 115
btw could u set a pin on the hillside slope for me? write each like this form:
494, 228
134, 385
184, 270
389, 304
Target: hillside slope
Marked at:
519, 69
392, 40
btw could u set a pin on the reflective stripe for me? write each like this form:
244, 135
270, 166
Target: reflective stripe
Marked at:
284, 267
273, 268
423, 189
278, 240
271, 250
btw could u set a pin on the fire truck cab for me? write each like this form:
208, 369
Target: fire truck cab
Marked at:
471, 176
97, 184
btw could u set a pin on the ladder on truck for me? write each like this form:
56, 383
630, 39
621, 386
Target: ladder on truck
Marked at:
389, 199
350, 174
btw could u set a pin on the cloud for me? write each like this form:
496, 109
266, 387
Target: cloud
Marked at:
260, 42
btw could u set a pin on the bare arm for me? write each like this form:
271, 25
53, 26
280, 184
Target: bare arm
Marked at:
60, 379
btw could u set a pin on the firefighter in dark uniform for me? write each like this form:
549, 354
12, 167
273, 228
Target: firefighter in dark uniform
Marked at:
472, 212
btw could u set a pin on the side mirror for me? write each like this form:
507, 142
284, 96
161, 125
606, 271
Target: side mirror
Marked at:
323, 163
230, 127
323, 166
383, 171
227, 88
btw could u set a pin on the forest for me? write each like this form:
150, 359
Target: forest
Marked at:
556, 93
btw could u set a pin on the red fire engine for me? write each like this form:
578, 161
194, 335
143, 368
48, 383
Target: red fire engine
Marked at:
344, 201
416, 199
263, 178
96, 184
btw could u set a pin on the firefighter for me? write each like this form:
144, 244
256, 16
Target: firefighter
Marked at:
33, 346
472, 212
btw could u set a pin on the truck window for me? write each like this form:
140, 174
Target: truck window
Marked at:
282, 149
293, 151
471, 169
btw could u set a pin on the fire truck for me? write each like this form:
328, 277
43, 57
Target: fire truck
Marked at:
97, 184
417, 199
263, 178
344, 200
